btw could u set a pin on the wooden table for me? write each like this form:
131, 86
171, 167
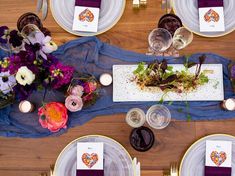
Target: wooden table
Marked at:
29, 157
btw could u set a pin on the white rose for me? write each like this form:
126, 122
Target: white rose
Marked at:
25, 76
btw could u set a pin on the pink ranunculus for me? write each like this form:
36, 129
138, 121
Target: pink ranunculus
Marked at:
73, 103
53, 116
76, 91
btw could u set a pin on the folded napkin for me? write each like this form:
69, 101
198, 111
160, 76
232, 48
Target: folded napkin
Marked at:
210, 3
218, 171
88, 3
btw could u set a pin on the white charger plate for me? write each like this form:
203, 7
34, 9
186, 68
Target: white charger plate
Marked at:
117, 161
193, 162
187, 10
110, 13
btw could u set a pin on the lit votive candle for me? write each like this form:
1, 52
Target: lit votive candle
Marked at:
229, 104
26, 106
106, 79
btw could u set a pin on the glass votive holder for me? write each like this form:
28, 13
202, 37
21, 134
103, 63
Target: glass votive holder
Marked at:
158, 116
142, 139
135, 117
229, 104
26, 106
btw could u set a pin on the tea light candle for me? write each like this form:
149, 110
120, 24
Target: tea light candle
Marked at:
229, 104
106, 79
26, 106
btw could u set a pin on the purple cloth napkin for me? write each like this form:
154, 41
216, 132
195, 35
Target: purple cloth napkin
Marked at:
218, 171
90, 173
210, 3
88, 3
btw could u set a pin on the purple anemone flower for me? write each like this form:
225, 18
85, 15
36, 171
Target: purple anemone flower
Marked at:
3, 34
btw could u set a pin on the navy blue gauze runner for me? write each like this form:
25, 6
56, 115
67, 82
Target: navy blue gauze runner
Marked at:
90, 55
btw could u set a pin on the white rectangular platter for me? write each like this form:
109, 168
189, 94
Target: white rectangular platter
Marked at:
124, 89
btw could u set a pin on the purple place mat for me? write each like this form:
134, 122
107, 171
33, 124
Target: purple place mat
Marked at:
88, 3
210, 3
218, 171
90, 172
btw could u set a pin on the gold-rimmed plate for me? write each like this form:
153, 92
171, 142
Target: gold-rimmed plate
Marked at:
193, 162
110, 13
187, 10
117, 161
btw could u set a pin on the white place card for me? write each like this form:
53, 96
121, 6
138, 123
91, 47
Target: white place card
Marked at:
86, 19
90, 156
219, 153
211, 19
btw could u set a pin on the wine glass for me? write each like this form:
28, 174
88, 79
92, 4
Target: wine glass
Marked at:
159, 41
158, 116
30, 30
182, 38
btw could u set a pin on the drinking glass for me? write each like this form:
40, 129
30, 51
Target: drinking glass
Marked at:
135, 117
158, 116
159, 40
182, 38
170, 22
30, 30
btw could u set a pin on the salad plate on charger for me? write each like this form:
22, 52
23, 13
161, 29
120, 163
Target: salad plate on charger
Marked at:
187, 11
193, 162
117, 161
110, 13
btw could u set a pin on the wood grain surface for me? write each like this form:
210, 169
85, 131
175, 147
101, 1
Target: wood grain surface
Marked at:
30, 157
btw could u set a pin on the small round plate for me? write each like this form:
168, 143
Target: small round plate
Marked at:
187, 11
117, 161
193, 162
110, 13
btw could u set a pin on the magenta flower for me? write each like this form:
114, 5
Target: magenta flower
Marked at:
60, 75
90, 87
73, 103
233, 71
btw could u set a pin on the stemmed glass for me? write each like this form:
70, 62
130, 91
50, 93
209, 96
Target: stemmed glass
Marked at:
182, 38
159, 41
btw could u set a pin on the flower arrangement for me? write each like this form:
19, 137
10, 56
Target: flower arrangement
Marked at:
82, 92
29, 64
161, 75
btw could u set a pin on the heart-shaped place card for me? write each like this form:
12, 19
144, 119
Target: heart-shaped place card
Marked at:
218, 157
90, 159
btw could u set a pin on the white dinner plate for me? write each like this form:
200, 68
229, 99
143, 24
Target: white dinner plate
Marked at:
110, 13
117, 161
193, 162
187, 10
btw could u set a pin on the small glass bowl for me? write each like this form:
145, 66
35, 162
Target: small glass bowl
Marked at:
158, 116
135, 117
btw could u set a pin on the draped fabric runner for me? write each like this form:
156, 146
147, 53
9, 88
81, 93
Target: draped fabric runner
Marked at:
90, 55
